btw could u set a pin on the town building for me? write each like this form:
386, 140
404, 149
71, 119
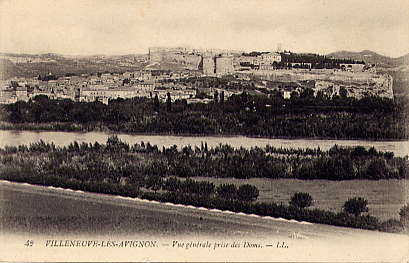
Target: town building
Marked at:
266, 61
224, 65
352, 67
209, 66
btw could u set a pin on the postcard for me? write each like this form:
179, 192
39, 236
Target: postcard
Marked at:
204, 131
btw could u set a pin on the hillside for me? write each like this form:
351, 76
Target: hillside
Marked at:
8, 69
32, 65
371, 57
26, 65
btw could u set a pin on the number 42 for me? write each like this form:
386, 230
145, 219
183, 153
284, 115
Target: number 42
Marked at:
29, 243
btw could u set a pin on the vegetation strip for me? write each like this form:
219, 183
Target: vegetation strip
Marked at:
303, 116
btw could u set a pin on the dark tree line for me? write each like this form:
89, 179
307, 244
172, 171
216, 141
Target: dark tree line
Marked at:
116, 159
269, 116
306, 61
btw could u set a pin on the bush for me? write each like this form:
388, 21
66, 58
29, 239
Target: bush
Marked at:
153, 182
301, 200
227, 191
247, 193
377, 169
172, 184
204, 188
356, 206
404, 216
392, 226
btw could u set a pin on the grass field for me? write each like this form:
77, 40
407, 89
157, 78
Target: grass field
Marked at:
45, 210
44, 213
385, 197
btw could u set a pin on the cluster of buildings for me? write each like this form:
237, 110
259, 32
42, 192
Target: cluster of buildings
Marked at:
261, 61
100, 87
219, 62
219, 65
243, 67
215, 62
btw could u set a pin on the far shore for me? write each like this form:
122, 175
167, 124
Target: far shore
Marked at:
103, 128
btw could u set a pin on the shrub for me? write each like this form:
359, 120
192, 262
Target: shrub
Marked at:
172, 184
404, 216
301, 200
227, 191
391, 225
154, 182
205, 188
356, 206
377, 169
247, 193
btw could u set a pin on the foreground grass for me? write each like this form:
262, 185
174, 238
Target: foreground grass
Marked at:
259, 208
385, 197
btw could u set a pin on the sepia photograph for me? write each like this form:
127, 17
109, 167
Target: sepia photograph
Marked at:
204, 131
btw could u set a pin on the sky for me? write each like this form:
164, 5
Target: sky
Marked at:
113, 27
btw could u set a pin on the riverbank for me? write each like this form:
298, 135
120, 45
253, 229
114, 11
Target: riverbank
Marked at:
246, 115
112, 129
16, 137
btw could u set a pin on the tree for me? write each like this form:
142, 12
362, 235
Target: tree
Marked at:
247, 192
156, 102
404, 215
222, 97
377, 169
154, 182
114, 144
227, 191
169, 102
307, 96
301, 200
172, 184
356, 206
343, 93
359, 151
216, 96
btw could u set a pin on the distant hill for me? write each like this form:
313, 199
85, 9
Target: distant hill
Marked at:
32, 65
8, 69
28, 65
371, 57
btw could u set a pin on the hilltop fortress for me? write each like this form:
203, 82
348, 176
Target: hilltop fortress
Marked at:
188, 58
289, 71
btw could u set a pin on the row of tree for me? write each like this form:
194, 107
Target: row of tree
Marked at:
354, 206
117, 159
244, 192
302, 116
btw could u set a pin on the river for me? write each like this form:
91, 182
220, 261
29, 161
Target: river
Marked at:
14, 138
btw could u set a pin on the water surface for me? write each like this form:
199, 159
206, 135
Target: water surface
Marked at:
14, 138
